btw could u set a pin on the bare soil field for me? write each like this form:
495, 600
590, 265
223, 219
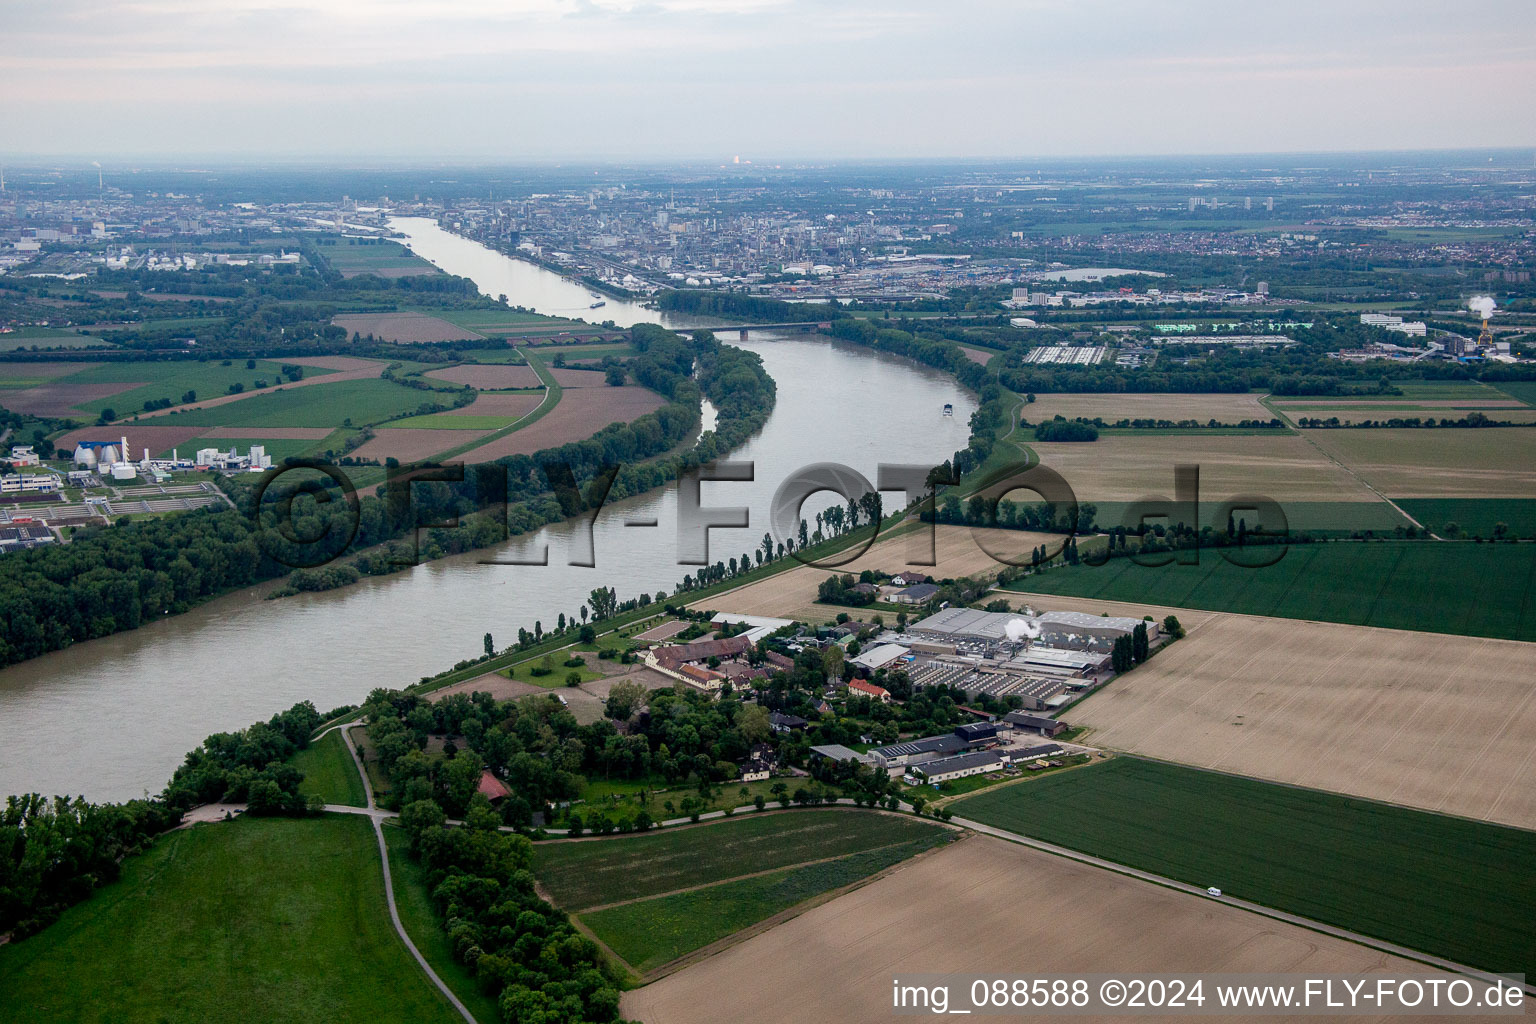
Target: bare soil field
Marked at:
568, 377
1439, 463
505, 404
580, 414
275, 433
156, 439
978, 355
1189, 618
41, 371
342, 363
978, 906
665, 631
410, 443
1226, 408
1126, 468
60, 399
489, 376
1444, 723
792, 594
404, 327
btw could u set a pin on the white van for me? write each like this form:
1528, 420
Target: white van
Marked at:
1214, 891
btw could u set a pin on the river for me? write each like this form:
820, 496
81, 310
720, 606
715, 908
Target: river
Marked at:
112, 718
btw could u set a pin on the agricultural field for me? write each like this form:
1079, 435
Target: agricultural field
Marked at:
1462, 588
650, 933
581, 413
351, 257
1442, 723
1327, 518
1478, 517
329, 772
964, 909
320, 405
1438, 463
583, 874
223, 922
405, 328
44, 338
490, 377
409, 444
1225, 408
83, 390
1524, 390
510, 404
452, 421
1392, 873
1129, 467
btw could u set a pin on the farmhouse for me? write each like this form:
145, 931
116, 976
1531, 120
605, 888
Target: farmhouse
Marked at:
682, 661
492, 787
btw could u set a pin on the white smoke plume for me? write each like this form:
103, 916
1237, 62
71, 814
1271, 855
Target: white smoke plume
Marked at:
1482, 305
1018, 629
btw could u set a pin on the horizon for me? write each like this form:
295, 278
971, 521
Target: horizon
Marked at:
680, 80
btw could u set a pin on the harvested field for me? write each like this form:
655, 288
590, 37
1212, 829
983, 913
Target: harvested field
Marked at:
13, 371
60, 399
581, 413
1431, 721
410, 443
276, 433
792, 594
492, 377
157, 439
1078, 919
342, 363
1128, 467
1439, 463
511, 405
405, 328
577, 378
1225, 408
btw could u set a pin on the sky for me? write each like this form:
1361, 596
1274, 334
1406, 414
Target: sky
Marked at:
766, 80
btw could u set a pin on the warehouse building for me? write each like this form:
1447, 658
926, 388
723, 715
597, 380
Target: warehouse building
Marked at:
1025, 721
946, 768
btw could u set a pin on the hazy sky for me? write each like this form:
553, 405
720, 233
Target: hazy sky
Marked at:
766, 79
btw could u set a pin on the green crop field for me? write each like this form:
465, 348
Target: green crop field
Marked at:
350, 256
1452, 887
1462, 588
329, 772
1524, 390
172, 379
653, 932
318, 405
273, 920
1474, 516
413, 899
596, 872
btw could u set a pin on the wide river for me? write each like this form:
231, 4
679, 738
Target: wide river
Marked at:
112, 718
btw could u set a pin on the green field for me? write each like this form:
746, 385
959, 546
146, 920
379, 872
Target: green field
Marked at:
455, 421
318, 405
48, 337
172, 379
1524, 390
329, 772
1461, 588
596, 872
653, 932
1449, 886
413, 899
268, 920
1474, 515
351, 256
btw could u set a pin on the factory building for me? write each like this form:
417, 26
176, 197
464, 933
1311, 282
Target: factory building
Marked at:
959, 767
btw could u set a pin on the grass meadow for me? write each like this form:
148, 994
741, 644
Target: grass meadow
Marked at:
329, 772
272, 920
